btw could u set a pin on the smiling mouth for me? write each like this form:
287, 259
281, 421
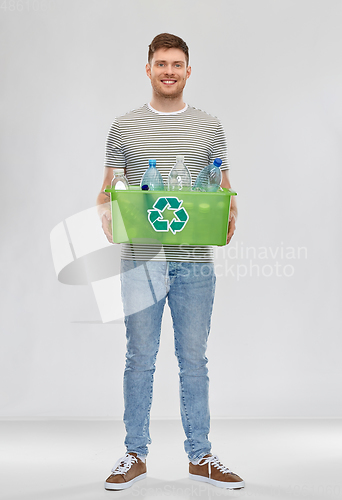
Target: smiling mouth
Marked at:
168, 82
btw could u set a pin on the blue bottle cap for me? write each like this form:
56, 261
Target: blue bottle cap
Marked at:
145, 187
217, 162
152, 163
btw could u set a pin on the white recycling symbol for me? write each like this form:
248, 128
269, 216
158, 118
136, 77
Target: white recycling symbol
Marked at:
157, 221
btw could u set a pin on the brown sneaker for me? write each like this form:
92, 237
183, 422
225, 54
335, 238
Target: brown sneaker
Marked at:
125, 472
211, 470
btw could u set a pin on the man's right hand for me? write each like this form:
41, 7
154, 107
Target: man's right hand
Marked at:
104, 205
106, 219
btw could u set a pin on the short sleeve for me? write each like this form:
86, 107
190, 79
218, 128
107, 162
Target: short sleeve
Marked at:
220, 147
115, 157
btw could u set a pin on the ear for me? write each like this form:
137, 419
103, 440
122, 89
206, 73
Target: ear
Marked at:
188, 72
148, 70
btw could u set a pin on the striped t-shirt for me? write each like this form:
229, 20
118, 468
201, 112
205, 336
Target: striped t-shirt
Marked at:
145, 133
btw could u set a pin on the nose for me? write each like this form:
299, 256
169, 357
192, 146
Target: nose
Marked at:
168, 69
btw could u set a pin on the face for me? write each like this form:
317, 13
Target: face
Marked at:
168, 72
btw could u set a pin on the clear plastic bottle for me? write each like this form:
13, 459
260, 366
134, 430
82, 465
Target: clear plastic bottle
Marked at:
152, 178
209, 178
179, 178
119, 180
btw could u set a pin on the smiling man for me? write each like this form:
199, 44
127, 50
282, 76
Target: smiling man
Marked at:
150, 274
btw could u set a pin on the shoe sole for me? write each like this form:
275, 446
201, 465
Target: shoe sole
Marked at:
219, 484
123, 486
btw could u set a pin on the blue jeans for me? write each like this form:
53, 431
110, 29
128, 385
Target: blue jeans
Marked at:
189, 288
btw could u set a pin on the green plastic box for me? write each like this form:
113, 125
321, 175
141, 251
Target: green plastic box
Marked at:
170, 218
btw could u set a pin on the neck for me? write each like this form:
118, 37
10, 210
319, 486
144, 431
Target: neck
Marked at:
167, 104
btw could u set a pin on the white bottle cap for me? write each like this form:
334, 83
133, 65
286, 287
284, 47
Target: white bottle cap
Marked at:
118, 171
180, 158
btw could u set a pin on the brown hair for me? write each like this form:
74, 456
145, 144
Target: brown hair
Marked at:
167, 41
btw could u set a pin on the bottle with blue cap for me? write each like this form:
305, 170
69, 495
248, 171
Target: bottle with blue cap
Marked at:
152, 179
209, 178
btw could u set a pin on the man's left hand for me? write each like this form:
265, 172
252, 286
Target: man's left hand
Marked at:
225, 183
231, 226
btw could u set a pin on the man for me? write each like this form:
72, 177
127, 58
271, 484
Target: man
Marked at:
162, 129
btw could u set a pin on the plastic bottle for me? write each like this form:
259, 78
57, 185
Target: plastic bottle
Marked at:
119, 180
209, 178
179, 178
152, 178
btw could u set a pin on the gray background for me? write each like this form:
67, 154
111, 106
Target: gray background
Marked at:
271, 71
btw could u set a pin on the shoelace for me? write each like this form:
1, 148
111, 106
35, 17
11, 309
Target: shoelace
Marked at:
213, 461
124, 464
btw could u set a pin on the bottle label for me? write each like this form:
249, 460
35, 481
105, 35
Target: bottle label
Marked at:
157, 221
120, 185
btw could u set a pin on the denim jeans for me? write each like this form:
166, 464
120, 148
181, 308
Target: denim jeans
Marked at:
189, 288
